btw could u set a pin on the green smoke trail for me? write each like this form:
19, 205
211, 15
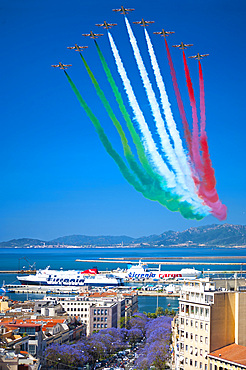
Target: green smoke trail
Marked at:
104, 139
167, 199
127, 150
139, 146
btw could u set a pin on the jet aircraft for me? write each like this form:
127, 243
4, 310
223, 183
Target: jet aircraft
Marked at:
77, 47
182, 46
61, 66
123, 10
143, 22
163, 33
198, 56
106, 25
93, 35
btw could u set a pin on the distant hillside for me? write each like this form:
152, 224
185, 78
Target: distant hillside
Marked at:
21, 243
78, 240
212, 235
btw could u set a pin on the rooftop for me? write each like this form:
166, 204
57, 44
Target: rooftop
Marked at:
232, 353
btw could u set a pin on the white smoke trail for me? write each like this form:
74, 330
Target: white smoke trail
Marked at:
148, 141
178, 147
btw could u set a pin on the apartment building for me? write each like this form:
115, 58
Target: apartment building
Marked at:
208, 319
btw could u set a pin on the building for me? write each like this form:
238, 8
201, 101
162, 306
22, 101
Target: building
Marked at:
232, 357
208, 319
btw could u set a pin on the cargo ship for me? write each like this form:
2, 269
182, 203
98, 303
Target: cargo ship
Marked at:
141, 272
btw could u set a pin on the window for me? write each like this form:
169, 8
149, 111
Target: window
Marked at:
106, 312
191, 323
105, 319
206, 327
186, 347
200, 352
68, 309
182, 321
206, 340
186, 360
95, 319
106, 325
201, 339
196, 324
95, 312
197, 310
102, 311
95, 325
201, 311
196, 351
201, 325
101, 325
187, 322
207, 312
187, 335
192, 309
98, 312
98, 318
191, 350
181, 345
78, 309
182, 307
187, 308
200, 365
32, 349
196, 337
190, 362
195, 363
191, 336
98, 325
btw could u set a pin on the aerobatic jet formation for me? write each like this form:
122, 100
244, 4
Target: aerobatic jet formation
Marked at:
77, 47
198, 56
143, 22
163, 33
61, 66
92, 35
106, 25
123, 10
182, 46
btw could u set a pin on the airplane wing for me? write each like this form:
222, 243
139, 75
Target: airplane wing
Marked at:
55, 65
117, 10
70, 47
99, 25
204, 55
176, 46
193, 57
187, 45
157, 33
98, 34
67, 65
112, 24
86, 34
149, 21
138, 22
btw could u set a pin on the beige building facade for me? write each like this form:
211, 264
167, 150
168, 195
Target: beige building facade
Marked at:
208, 319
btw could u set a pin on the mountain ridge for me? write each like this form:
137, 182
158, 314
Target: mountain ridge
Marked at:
225, 235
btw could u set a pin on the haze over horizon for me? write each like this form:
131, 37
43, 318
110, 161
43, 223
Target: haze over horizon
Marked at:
57, 178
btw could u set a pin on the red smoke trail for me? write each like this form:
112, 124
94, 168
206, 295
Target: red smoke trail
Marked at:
195, 138
179, 101
207, 188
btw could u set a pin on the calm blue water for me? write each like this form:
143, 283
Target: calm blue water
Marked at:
13, 259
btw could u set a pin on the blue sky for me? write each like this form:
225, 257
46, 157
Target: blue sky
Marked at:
56, 178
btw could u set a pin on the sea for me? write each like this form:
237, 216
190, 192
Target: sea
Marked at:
22, 258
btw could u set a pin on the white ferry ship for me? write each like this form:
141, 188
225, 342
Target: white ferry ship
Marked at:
70, 278
141, 271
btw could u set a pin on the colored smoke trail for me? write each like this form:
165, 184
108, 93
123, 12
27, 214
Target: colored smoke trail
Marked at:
195, 134
149, 144
207, 188
104, 139
139, 146
186, 210
186, 180
179, 101
172, 202
127, 150
181, 187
